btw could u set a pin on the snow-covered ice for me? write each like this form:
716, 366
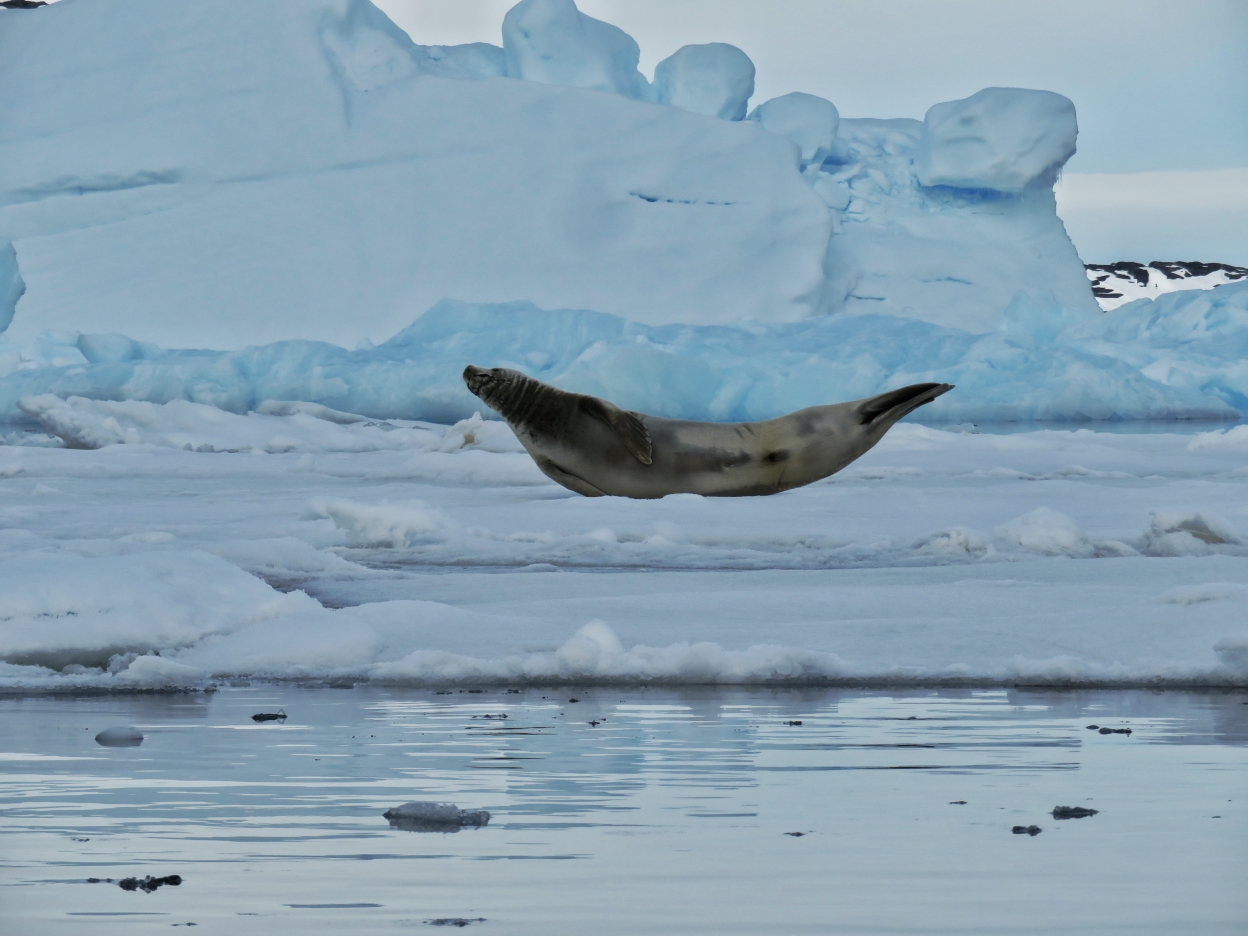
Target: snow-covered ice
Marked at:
1053, 557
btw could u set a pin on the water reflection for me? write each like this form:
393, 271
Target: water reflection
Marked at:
625, 780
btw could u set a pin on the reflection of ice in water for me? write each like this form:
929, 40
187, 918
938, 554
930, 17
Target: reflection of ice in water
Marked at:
669, 815
435, 817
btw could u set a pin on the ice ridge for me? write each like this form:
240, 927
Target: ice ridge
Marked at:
1171, 358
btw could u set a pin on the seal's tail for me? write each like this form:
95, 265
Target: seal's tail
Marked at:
897, 403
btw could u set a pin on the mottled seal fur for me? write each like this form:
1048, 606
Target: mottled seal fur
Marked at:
594, 448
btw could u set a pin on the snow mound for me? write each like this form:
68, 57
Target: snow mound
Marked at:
381, 525
1046, 531
552, 42
809, 121
1005, 139
1116, 284
715, 79
1187, 533
76, 615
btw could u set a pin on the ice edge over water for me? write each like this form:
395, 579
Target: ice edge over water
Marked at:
594, 656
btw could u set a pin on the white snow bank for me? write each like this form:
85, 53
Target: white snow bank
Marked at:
715, 79
809, 121
63, 611
1005, 139
1182, 359
275, 427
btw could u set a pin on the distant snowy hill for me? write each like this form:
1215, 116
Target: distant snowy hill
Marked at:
1115, 284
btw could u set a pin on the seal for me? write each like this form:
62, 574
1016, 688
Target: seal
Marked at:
594, 448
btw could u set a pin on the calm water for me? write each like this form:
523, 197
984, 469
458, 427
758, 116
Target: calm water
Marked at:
669, 816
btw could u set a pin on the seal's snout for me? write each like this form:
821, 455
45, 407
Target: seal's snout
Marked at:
476, 378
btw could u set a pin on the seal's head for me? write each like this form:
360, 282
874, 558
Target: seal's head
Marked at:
493, 385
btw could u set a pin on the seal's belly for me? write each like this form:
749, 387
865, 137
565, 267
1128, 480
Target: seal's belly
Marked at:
693, 458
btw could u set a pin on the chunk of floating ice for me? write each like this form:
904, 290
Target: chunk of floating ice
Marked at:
435, 817
120, 736
149, 883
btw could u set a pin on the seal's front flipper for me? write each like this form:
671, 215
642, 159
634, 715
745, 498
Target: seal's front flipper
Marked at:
627, 425
897, 403
569, 481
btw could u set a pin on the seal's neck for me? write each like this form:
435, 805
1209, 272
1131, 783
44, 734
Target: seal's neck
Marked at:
525, 401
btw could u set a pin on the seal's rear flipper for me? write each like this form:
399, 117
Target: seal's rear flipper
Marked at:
627, 425
897, 403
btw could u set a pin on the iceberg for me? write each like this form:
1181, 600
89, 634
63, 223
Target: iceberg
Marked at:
551, 210
344, 178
